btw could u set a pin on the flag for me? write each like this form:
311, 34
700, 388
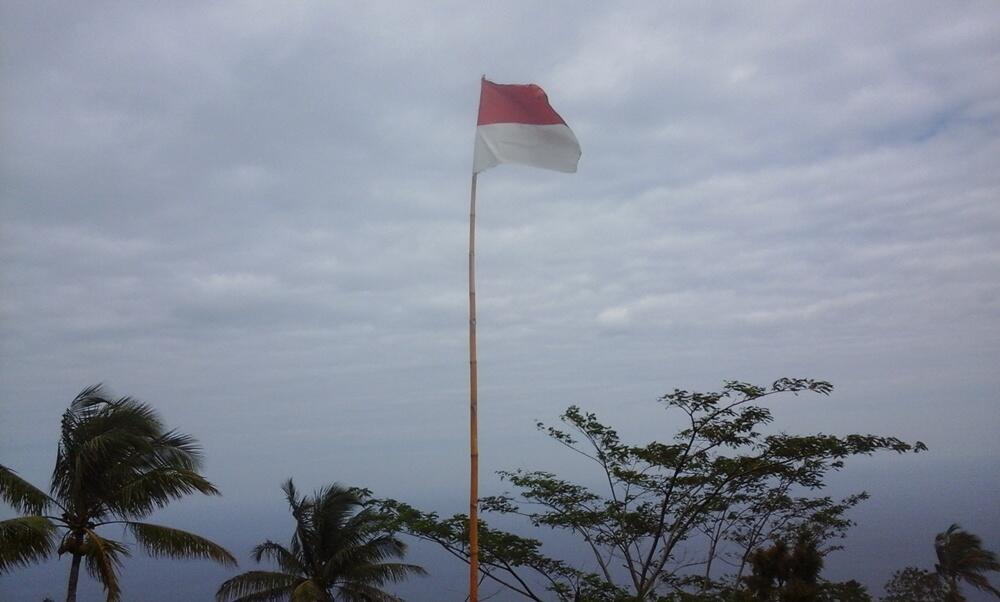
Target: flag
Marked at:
518, 125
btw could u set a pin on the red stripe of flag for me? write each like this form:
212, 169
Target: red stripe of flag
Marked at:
515, 103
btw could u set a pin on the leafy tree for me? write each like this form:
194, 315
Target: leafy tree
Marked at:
914, 585
962, 558
338, 552
848, 591
720, 485
790, 572
786, 573
511, 561
115, 464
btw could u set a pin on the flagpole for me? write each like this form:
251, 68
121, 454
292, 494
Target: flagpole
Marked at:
473, 409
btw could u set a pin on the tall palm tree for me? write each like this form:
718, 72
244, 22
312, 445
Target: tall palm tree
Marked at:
338, 552
961, 557
115, 464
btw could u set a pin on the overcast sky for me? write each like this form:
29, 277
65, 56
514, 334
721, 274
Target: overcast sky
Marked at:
253, 215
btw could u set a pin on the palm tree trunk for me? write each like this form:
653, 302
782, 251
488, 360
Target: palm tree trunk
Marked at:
74, 570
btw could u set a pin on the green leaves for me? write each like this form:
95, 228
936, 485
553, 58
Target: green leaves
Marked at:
507, 559
914, 585
155, 488
343, 544
25, 540
117, 452
786, 571
719, 481
20, 494
158, 540
280, 555
308, 591
103, 559
263, 586
115, 460
962, 558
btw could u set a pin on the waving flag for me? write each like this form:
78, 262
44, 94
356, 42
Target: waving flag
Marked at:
518, 125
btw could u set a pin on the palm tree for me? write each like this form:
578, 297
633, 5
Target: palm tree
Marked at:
338, 552
961, 557
115, 464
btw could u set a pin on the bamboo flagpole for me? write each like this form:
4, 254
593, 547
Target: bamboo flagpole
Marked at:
516, 124
473, 409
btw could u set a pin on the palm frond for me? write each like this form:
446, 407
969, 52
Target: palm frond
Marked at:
280, 555
87, 403
290, 494
124, 413
384, 573
158, 540
308, 591
961, 556
257, 585
103, 561
115, 456
103, 447
155, 489
89, 397
381, 548
25, 540
366, 561
101, 441
304, 544
337, 522
128, 412
20, 494
178, 449
362, 592
361, 560
339, 543
979, 582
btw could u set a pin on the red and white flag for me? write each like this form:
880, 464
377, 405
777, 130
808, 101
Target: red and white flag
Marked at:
517, 125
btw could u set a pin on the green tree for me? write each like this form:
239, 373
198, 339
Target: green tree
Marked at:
786, 573
963, 559
790, 572
914, 585
848, 591
338, 552
721, 485
115, 464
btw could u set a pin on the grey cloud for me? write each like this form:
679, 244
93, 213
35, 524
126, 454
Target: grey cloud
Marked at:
253, 216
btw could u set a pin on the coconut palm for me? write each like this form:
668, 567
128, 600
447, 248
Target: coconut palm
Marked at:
961, 557
339, 551
115, 464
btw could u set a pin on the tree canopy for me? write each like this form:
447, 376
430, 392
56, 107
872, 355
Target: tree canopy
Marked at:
339, 550
677, 517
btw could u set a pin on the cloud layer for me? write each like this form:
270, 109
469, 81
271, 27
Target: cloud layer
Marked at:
254, 216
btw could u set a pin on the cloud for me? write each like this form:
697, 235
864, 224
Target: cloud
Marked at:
252, 215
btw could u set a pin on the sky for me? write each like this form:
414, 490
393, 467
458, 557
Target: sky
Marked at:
253, 216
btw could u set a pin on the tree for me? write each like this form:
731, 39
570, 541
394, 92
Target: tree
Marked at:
115, 464
789, 571
914, 585
962, 558
786, 573
338, 552
669, 513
